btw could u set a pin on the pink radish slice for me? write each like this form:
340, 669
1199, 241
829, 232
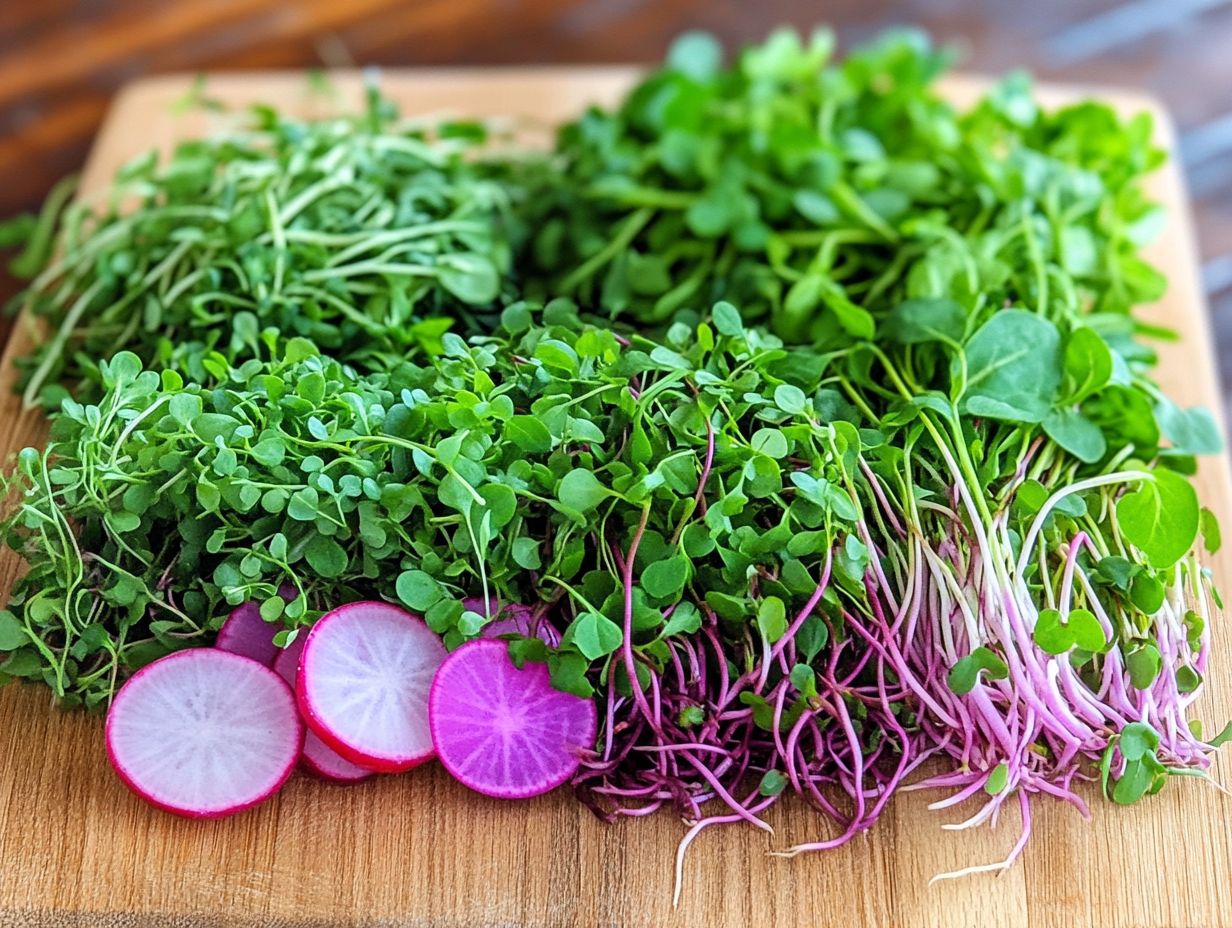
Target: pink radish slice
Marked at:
204, 733
245, 632
318, 758
363, 684
512, 619
502, 731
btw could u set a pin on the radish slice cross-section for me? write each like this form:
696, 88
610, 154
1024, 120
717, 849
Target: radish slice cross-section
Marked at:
363, 684
502, 731
318, 757
204, 733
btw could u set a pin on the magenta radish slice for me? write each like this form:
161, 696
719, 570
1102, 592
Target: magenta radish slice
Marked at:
502, 731
512, 619
245, 632
204, 733
363, 684
318, 758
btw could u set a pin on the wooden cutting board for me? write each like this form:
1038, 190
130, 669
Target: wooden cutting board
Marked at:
77, 849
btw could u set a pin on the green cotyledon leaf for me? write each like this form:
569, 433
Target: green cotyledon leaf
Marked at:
966, 672
1012, 367
1160, 517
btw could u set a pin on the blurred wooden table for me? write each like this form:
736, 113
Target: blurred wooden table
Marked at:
60, 61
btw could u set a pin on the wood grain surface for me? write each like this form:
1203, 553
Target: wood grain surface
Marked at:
76, 849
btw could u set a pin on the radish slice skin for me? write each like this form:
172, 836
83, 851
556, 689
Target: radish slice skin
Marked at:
204, 733
318, 758
512, 619
502, 731
363, 684
246, 633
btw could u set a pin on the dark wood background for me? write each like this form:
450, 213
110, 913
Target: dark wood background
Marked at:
61, 60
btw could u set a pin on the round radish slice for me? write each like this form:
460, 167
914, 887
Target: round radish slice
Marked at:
513, 619
363, 684
204, 733
502, 731
318, 758
246, 633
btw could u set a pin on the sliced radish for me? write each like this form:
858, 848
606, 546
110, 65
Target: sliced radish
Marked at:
502, 731
512, 619
245, 632
363, 684
318, 758
204, 733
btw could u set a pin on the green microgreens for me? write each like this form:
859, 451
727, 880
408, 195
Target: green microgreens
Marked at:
914, 493
512, 466
818, 196
367, 235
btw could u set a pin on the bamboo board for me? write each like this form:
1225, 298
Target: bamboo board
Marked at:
77, 849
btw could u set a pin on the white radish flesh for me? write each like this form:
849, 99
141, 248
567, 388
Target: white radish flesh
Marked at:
318, 758
363, 684
204, 733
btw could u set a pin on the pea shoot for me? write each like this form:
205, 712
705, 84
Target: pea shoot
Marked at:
366, 234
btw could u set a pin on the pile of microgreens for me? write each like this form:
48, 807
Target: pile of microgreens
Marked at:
368, 236
841, 455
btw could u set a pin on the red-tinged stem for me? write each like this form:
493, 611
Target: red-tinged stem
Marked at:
886, 508
630, 660
699, 499
780, 699
700, 826
648, 809
723, 794
809, 606
1067, 579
